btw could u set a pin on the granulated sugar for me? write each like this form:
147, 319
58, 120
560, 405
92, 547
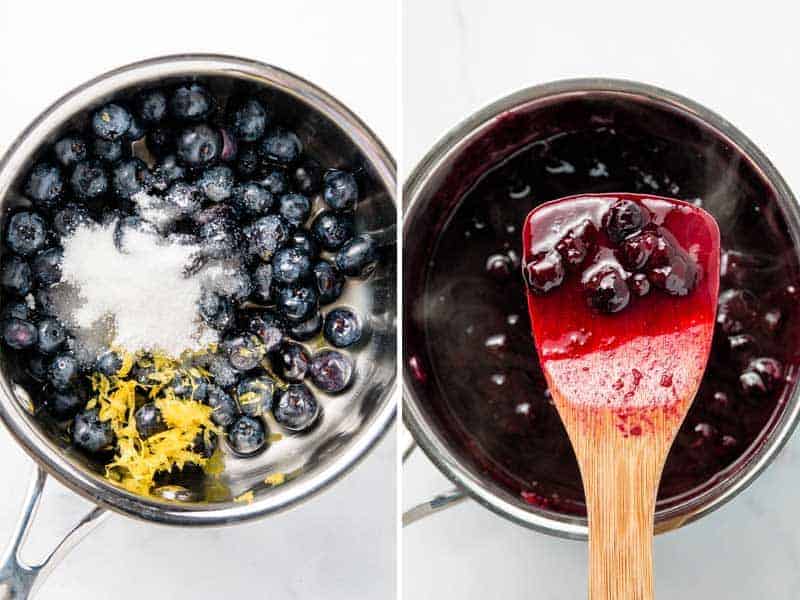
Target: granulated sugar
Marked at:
143, 292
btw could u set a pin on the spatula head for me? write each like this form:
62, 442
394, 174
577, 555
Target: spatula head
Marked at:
622, 295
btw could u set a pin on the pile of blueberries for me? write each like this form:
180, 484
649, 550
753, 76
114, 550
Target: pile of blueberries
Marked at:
646, 255
238, 186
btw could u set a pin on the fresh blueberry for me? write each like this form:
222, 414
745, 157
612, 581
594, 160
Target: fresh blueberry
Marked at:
109, 363
224, 408
26, 233
233, 282
330, 281
290, 265
128, 225
341, 190
358, 257
342, 327
331, 371
247, 436
46, 266
45, 301
65, 404
219, 239
265, 235
216, 310
52, 336
167, 172
161, 141
63, 372
136, 131
545, 273
306, 330
291, 362
130, 177
71, 150
90, 433
111, 122
255, 395
70, 218
269, 328
45, 185
296, 408
262, 282
109, 151
151, 106
16, 310
308, 177
624, 219
248, 120
606, 291
223, 372
191, 102
184, 198
295, 208
217, 183
331, 229
19, 334
297, 303
149, 421
16, 275
251, 199
190, 385
205, 443
198, 145
281, 146
302, 239
276, 181
244, 352
37, 367
89, 180
247, 161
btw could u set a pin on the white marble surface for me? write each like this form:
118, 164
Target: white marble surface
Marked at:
458, 56
341, 546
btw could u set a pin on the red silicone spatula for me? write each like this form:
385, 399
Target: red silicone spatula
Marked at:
622, 294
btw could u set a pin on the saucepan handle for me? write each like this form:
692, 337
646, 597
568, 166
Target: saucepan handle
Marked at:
19, 580
439, 502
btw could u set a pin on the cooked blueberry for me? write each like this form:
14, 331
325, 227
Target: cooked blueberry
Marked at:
216, 310
296, 408
89, 179
742, 347
606, 291
16, 275
308, 177
90, 433
265, 235
291, 362
130, 177
46, 266
262, 282
306, 330
635, 251
185, 198
63, 371
19, 334
269, 328
216, 183
678, 278
624, 219
575, 246
167, 172
198, 145
247, 435
26, 233
247, 161
251, 199
161, 141
342, 327
296, 303
769, 369
149, 421
341, 190
358, 257
224, 408
244, 352
290, 265
126, 226
45, 184
70, 218
281, 146
65, 404
248, 120
737, 310
223, 372
545, 272
152, 106
219, 239
331, 229
302, 240
52, 336
111, 122
640, 284
330, 282
276, 181
205, 443
109, 363
255, 395
751, 384
191, 102
70, 150
295, 208
16, 310
109, 151
331, 371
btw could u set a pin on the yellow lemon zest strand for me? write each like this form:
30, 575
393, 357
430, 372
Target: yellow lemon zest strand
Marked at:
246, 498
275, 479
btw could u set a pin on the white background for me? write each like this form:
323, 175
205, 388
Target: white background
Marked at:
459, 56
340, 546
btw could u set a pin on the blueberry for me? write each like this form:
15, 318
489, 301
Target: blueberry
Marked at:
19, 334
575, 246
741, 348
151, 106
205, 443
251, 199
769, 370
135, 132
358, 257
281, 146
498, 266
233, 282
44, 185
678, 278
606, 291
302, 239
109, 151
247, 436
128, 225
265, 235
111, 122
295, 208
307, 177
624, 219
161, 141
331, 371
255, 395
248, 120
191, 385
185, 198
244, 352
276, 181
26, 233
223, 372
70, 218
342, 327
63, 372
16, 310
290, 265
109, 363
219, 239
224, 408
269, 328
306, 330
167, 172
198, 145
90, 433
262, 282
296, 408
737, 310
130, 177
639, 284
149, 421
331, 230
545, 272
341, 190
635, 252
216, 311
16, 275
296, 303
70, 150
191, 102
89, 180
247, 161
46, 266
37, 367
65, 404
45, 301
52, 336
291, 361
216, 183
